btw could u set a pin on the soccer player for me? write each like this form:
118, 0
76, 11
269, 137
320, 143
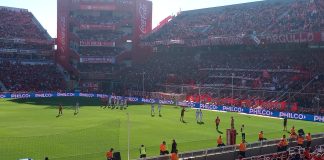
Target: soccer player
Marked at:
77, 108
142, 151
159, 108
103, 103
163, 149
110, 155
220, 141
121, 103
200, 116
60, 110
285, 124
110, 102
243, 132
182, 114
126, 103
117, 103
197, 115
232, 122
152, 110
217, 121
114, 102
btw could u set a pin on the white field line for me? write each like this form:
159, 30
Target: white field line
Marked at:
255, 115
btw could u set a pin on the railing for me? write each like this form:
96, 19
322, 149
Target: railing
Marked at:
226, 149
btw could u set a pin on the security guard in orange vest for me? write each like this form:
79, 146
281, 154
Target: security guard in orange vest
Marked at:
308, 140
174, 155
242, 148
163, 149
220, 141
261, 138
109, 154
283, 144
300, 141
293, 133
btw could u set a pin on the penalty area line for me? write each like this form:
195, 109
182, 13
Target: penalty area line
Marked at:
255, 115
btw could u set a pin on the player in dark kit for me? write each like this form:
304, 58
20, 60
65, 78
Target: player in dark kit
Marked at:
182, 114
60, 110
285, 124
217, 121
232, 122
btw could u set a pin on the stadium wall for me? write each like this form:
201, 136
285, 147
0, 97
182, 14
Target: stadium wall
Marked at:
141, 22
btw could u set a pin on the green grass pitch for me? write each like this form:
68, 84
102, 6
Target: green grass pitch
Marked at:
30, 128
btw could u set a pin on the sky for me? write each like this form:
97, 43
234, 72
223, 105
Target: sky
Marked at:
46, 10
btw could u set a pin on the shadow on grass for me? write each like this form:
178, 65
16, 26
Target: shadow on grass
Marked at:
220, 132
54, 102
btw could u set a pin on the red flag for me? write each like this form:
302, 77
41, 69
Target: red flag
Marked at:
283, 106
266, 74
294, 107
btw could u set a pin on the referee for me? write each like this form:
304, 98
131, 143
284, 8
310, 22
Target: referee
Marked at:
243, 132
285, 124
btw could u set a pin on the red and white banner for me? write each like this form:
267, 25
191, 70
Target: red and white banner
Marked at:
109, 7
292, 38
62, 31
245, 102
315, 37
97, 26
90, 43
5, 50
217, 41
111, 60
143, 22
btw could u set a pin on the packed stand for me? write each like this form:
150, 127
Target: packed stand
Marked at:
241, 20
100, 17
96, 68
19, 77
269, 77
99, 51
19, 24
99, 35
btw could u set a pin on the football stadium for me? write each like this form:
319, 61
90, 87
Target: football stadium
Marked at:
232, 82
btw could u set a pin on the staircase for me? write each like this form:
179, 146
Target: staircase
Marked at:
63, 72
2, 87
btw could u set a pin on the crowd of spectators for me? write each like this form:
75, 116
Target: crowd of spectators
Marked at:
19, 24
264, 17
96, 68
264, 76
18, 77
101, 17
99, 35
294, 153
99, 51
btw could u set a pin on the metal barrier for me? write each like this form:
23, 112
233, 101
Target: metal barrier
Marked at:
227, 149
